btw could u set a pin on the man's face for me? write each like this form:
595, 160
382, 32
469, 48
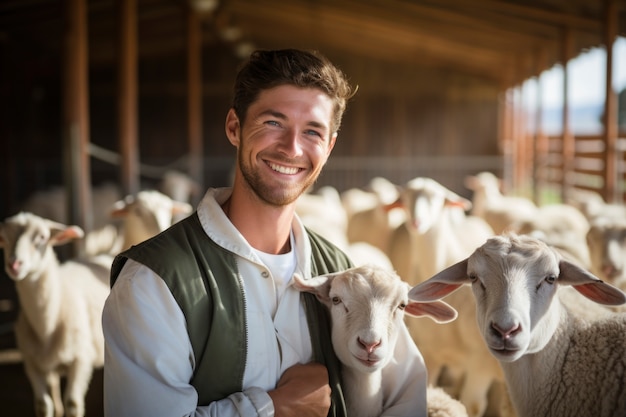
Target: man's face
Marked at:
284, 142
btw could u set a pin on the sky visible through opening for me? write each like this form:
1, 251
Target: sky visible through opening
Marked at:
586, 85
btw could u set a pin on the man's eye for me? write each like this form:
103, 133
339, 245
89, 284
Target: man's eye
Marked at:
272, 123
313, 133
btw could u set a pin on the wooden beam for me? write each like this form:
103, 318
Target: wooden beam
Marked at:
127, 97
610, 191
77, 171
567, 138
530, 13
194, 97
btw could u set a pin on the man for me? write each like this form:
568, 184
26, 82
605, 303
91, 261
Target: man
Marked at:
202, 319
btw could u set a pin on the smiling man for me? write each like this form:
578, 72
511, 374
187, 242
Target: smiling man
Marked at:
203, 320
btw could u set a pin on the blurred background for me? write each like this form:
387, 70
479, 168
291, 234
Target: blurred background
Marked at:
120, 92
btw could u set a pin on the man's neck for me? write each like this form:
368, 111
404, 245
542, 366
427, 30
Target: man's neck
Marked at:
265, 227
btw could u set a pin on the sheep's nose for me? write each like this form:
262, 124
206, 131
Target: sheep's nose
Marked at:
15, 265
609, 270
506, 333
369, 346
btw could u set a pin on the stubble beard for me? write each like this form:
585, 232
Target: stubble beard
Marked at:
272, 194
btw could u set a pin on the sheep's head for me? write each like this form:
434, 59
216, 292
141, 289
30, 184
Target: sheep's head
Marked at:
514, 280
28, 239
424, 200
148, 213
606, 240
367, 305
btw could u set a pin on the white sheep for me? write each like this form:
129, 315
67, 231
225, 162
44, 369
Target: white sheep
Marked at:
146, 214
367, 305
606, 241
179, 186
437, 235
499, 210
58, 329
372, 212
562, 226
556, 363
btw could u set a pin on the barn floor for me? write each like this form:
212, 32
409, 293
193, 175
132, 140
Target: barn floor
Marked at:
15, 393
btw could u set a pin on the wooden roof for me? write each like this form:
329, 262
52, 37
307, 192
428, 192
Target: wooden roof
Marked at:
505, 41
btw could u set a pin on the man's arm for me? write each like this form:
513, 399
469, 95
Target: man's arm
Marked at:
302, 391
149, 359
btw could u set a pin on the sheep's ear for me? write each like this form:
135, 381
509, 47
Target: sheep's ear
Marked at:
441, 284
589, 285
452, 199
60, 234
398, 203
121, 208
439, 311
179, 207
319, 286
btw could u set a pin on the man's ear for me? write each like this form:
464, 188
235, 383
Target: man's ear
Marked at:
233, 127
331, 144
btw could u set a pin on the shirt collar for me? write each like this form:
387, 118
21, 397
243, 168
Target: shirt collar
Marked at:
219, 228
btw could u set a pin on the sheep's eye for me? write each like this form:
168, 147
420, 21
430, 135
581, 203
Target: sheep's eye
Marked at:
402, 306
39, 240
473, 277
551, 279
336, 300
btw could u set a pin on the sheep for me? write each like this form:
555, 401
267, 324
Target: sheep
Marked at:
438, 234
372, 213
367, 305
145, 214
179, 186
562, 226
322, 212
606, 241
555, 362
58, 329
51, 204
441, 233
499, 210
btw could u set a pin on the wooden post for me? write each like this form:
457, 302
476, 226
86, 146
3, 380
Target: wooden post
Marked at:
77, 170
194, 97
610, 192
567, 138
540, 148
127, 97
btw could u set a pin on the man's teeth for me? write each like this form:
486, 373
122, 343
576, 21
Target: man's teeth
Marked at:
283, 170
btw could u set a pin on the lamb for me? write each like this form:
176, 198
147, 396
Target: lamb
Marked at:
437, 235
562, 226
372, 213
606, 241
145, 214
367, 305
499, 210
58, 329
441, 233
555, 362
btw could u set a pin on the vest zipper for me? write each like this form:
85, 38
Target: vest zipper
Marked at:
245, 315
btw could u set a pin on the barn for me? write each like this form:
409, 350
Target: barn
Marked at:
106, 91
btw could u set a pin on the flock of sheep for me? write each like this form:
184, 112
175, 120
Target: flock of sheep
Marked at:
533, 321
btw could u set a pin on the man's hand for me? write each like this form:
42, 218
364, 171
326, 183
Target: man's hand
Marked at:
302, 391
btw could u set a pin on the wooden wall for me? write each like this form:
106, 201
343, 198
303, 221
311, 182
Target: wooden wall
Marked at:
403, 122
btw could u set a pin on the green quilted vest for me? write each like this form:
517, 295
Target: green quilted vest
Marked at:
204, 280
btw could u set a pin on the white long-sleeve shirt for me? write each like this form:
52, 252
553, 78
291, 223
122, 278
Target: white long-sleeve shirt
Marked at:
149, 359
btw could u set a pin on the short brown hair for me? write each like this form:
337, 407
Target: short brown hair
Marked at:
307, 69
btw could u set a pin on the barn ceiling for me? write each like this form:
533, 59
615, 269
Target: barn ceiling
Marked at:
505, 41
